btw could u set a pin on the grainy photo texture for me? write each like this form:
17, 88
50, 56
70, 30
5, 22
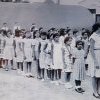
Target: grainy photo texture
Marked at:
49, 49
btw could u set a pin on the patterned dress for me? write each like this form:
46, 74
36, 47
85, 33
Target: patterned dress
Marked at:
67, 58
79, 65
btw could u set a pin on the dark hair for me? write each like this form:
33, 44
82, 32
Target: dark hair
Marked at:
17, 33
67, 39
79, 41
55, 35
43, 33
62, 32
86, 33
75, 31
40, 28
95, 27
4, 32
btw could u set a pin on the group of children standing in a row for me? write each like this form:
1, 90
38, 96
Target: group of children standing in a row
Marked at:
58, 54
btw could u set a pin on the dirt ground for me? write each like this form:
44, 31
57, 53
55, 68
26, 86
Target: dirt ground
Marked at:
16, 87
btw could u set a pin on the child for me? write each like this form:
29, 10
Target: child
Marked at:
67, 59
79, 65
36, 52
49, 55
57, 59
8, 51
19, 52
2, 46
28, 43
85, 39
42, 56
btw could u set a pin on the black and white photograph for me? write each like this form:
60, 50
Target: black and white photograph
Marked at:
49, 49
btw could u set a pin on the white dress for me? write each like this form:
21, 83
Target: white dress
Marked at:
79, 65
67, 58
8, 51
49, 55
19, 49
28, 49
96, 38
2, 42
36, 42
42, 56
57, 56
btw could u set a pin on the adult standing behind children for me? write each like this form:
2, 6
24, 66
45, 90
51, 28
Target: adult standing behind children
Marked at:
95, 59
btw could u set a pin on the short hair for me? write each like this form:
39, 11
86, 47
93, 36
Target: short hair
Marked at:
75, 31
95, 27
56, 35
79, 41
43, 33
40, 28
62, 32
67, 39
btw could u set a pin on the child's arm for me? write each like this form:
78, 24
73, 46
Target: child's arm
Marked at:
73, 60
63, 58
14, 45
39, 48
52, 48
4, 43
24, 50
33, 52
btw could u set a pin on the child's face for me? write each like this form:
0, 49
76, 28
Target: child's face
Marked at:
8, 34
56, 39
85, 36
43, 37
37, 34
79, 46
69, 42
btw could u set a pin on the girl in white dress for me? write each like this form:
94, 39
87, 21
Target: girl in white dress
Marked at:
28, 45
2, 46
49, 58
19, 52
36, 52
85, 39
42, 56
8, 51
67, 60
79, 65
57, 57
94, 59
